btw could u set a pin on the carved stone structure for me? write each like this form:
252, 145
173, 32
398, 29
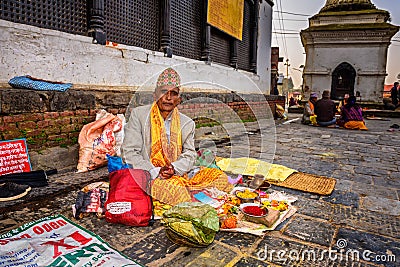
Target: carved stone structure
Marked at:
346, 47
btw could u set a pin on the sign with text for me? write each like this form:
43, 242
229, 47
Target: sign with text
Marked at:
226, 15
14, 157
57, 241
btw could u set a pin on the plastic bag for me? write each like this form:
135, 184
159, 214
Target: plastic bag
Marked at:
191, 224
91, 199
313, 120
128, 201
97, 139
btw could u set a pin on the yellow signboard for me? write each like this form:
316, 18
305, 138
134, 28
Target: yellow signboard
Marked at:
226, 15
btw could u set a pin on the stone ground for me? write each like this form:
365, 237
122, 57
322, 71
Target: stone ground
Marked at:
362, 214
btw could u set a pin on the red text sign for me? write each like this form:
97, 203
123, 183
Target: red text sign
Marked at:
14, 157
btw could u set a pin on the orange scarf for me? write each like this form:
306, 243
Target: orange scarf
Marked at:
176, 189
162, 152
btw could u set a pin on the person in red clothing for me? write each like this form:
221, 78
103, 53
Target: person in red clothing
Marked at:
325, 110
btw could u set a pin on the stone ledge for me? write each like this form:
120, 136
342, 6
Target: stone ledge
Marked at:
59, 184
382, 113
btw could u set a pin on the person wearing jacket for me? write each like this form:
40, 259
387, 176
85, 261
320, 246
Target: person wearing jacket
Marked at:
325, 109
159, 139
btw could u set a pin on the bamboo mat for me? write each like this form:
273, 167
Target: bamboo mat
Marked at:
308, 183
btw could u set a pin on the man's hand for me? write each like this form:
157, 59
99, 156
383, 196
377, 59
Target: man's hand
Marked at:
167, 172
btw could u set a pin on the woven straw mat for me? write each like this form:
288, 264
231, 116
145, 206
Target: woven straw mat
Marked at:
308, 183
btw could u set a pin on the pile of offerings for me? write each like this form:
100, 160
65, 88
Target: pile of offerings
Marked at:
254, 211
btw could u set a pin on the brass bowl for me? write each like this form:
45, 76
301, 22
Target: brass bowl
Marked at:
247, 200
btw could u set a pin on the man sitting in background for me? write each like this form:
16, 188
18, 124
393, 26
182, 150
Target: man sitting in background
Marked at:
325, 109
394, 94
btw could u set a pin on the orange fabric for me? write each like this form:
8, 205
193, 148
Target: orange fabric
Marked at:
162, 152
355, 125
311, 106
176, 189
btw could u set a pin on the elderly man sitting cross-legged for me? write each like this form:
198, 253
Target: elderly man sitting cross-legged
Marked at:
160, 140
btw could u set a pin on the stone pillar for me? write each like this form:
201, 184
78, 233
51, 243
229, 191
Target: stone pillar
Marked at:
96, 21
205, 34
233, 59
165, 38
253, 40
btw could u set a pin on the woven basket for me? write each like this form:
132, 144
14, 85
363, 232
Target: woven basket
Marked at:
182, 240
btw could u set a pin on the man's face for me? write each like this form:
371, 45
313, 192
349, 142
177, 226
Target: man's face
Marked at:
167, 98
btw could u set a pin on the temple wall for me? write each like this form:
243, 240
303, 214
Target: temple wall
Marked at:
368, 61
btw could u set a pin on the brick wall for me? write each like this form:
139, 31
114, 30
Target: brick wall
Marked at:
51, 119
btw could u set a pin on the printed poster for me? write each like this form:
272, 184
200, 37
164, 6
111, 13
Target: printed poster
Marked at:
14, 157
226, 15
57, 241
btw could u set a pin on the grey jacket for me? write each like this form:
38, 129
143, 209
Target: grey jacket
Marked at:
136, 147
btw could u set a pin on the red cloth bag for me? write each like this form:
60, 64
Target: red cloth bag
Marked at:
128, 203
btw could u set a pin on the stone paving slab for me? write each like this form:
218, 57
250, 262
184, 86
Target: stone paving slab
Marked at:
382, 205
344, 198
292, 253
242, 241
367, 221
157, 243
357, 211
373, 248
310, 230
313, 208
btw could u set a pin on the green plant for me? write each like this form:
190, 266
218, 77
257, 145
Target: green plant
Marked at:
42, 135
31, 140
23, 132
249, 120
59, 139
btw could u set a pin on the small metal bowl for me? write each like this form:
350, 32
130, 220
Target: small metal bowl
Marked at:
265, 186
247, 200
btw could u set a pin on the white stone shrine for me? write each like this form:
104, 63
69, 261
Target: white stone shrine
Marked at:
346, 47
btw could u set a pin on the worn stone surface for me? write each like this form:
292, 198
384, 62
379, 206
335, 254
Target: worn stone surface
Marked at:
240, 240
382, 205
307, 229
367, 221
373, 248
344, 198
59, 158
357, 211
312, 207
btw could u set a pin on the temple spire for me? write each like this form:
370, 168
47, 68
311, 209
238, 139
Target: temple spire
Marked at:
347, 5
